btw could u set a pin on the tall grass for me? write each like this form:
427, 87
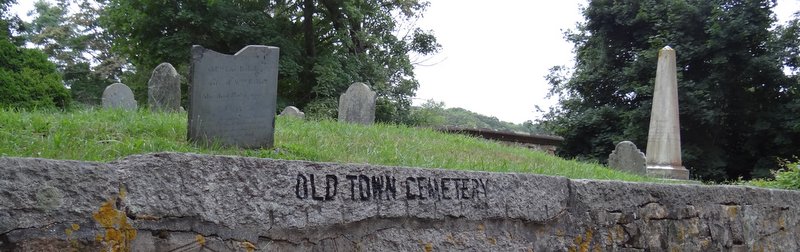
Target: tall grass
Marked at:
104, 135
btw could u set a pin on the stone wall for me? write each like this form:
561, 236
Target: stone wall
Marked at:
187, 202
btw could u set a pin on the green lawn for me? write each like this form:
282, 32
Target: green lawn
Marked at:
103, 135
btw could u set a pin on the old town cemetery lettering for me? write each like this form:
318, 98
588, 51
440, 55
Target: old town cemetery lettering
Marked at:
361, 187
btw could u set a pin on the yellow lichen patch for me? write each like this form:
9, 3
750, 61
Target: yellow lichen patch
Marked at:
492, 240
200, 240
705, 244
732, 211
76, 227
583, 243
428, 247
249, 247
481, 227
450, 238
119, 233
680, 233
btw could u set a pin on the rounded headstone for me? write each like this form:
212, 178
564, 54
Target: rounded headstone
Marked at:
357, 104
119, 96
164, 89
293, 111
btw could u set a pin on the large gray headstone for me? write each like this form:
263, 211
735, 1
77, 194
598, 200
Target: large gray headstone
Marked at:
293, 112
357, 105
626, 157
119, 96
232, 97
164, 89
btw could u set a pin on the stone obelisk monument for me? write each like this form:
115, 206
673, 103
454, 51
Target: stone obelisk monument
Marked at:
664, 137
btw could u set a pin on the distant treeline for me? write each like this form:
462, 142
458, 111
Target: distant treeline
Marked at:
434, 114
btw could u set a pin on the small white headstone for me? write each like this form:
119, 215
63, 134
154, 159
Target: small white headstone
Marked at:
293, 112
119, 96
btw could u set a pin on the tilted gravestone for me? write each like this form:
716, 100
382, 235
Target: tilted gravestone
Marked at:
357, 105
232, 97
293, 112
626, 157
119, 96
164, 89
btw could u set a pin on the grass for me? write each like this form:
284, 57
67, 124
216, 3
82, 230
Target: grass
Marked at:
104, 135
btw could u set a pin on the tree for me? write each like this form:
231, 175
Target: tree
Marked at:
28, 80
734, 97
325, 45
9, 23
77, 45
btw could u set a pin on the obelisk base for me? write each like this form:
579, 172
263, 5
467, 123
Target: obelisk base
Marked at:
668, 172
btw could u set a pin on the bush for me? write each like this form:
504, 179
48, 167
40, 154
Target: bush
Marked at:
28, 80
786, 178
321, 109
789, 177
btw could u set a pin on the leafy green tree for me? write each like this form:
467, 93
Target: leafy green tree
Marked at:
77, 45
325, 45
10, 23
434, 114
28, 80
736, 107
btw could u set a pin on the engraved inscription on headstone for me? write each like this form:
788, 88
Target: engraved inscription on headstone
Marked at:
232, 97
357, 104
164, 89
626, 157
293, 112
119, 96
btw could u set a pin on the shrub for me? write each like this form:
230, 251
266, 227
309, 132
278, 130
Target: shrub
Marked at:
28, 80
788, 177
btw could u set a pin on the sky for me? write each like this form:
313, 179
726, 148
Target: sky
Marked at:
495, 54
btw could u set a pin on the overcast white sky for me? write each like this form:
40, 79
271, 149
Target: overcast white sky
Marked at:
496, 53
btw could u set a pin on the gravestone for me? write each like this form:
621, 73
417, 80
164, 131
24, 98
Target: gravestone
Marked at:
232, 97
357, 105
626, 157
664, 135
164, 89
293, 112
118, 96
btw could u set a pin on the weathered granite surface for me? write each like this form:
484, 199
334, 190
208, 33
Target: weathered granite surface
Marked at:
168, 201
